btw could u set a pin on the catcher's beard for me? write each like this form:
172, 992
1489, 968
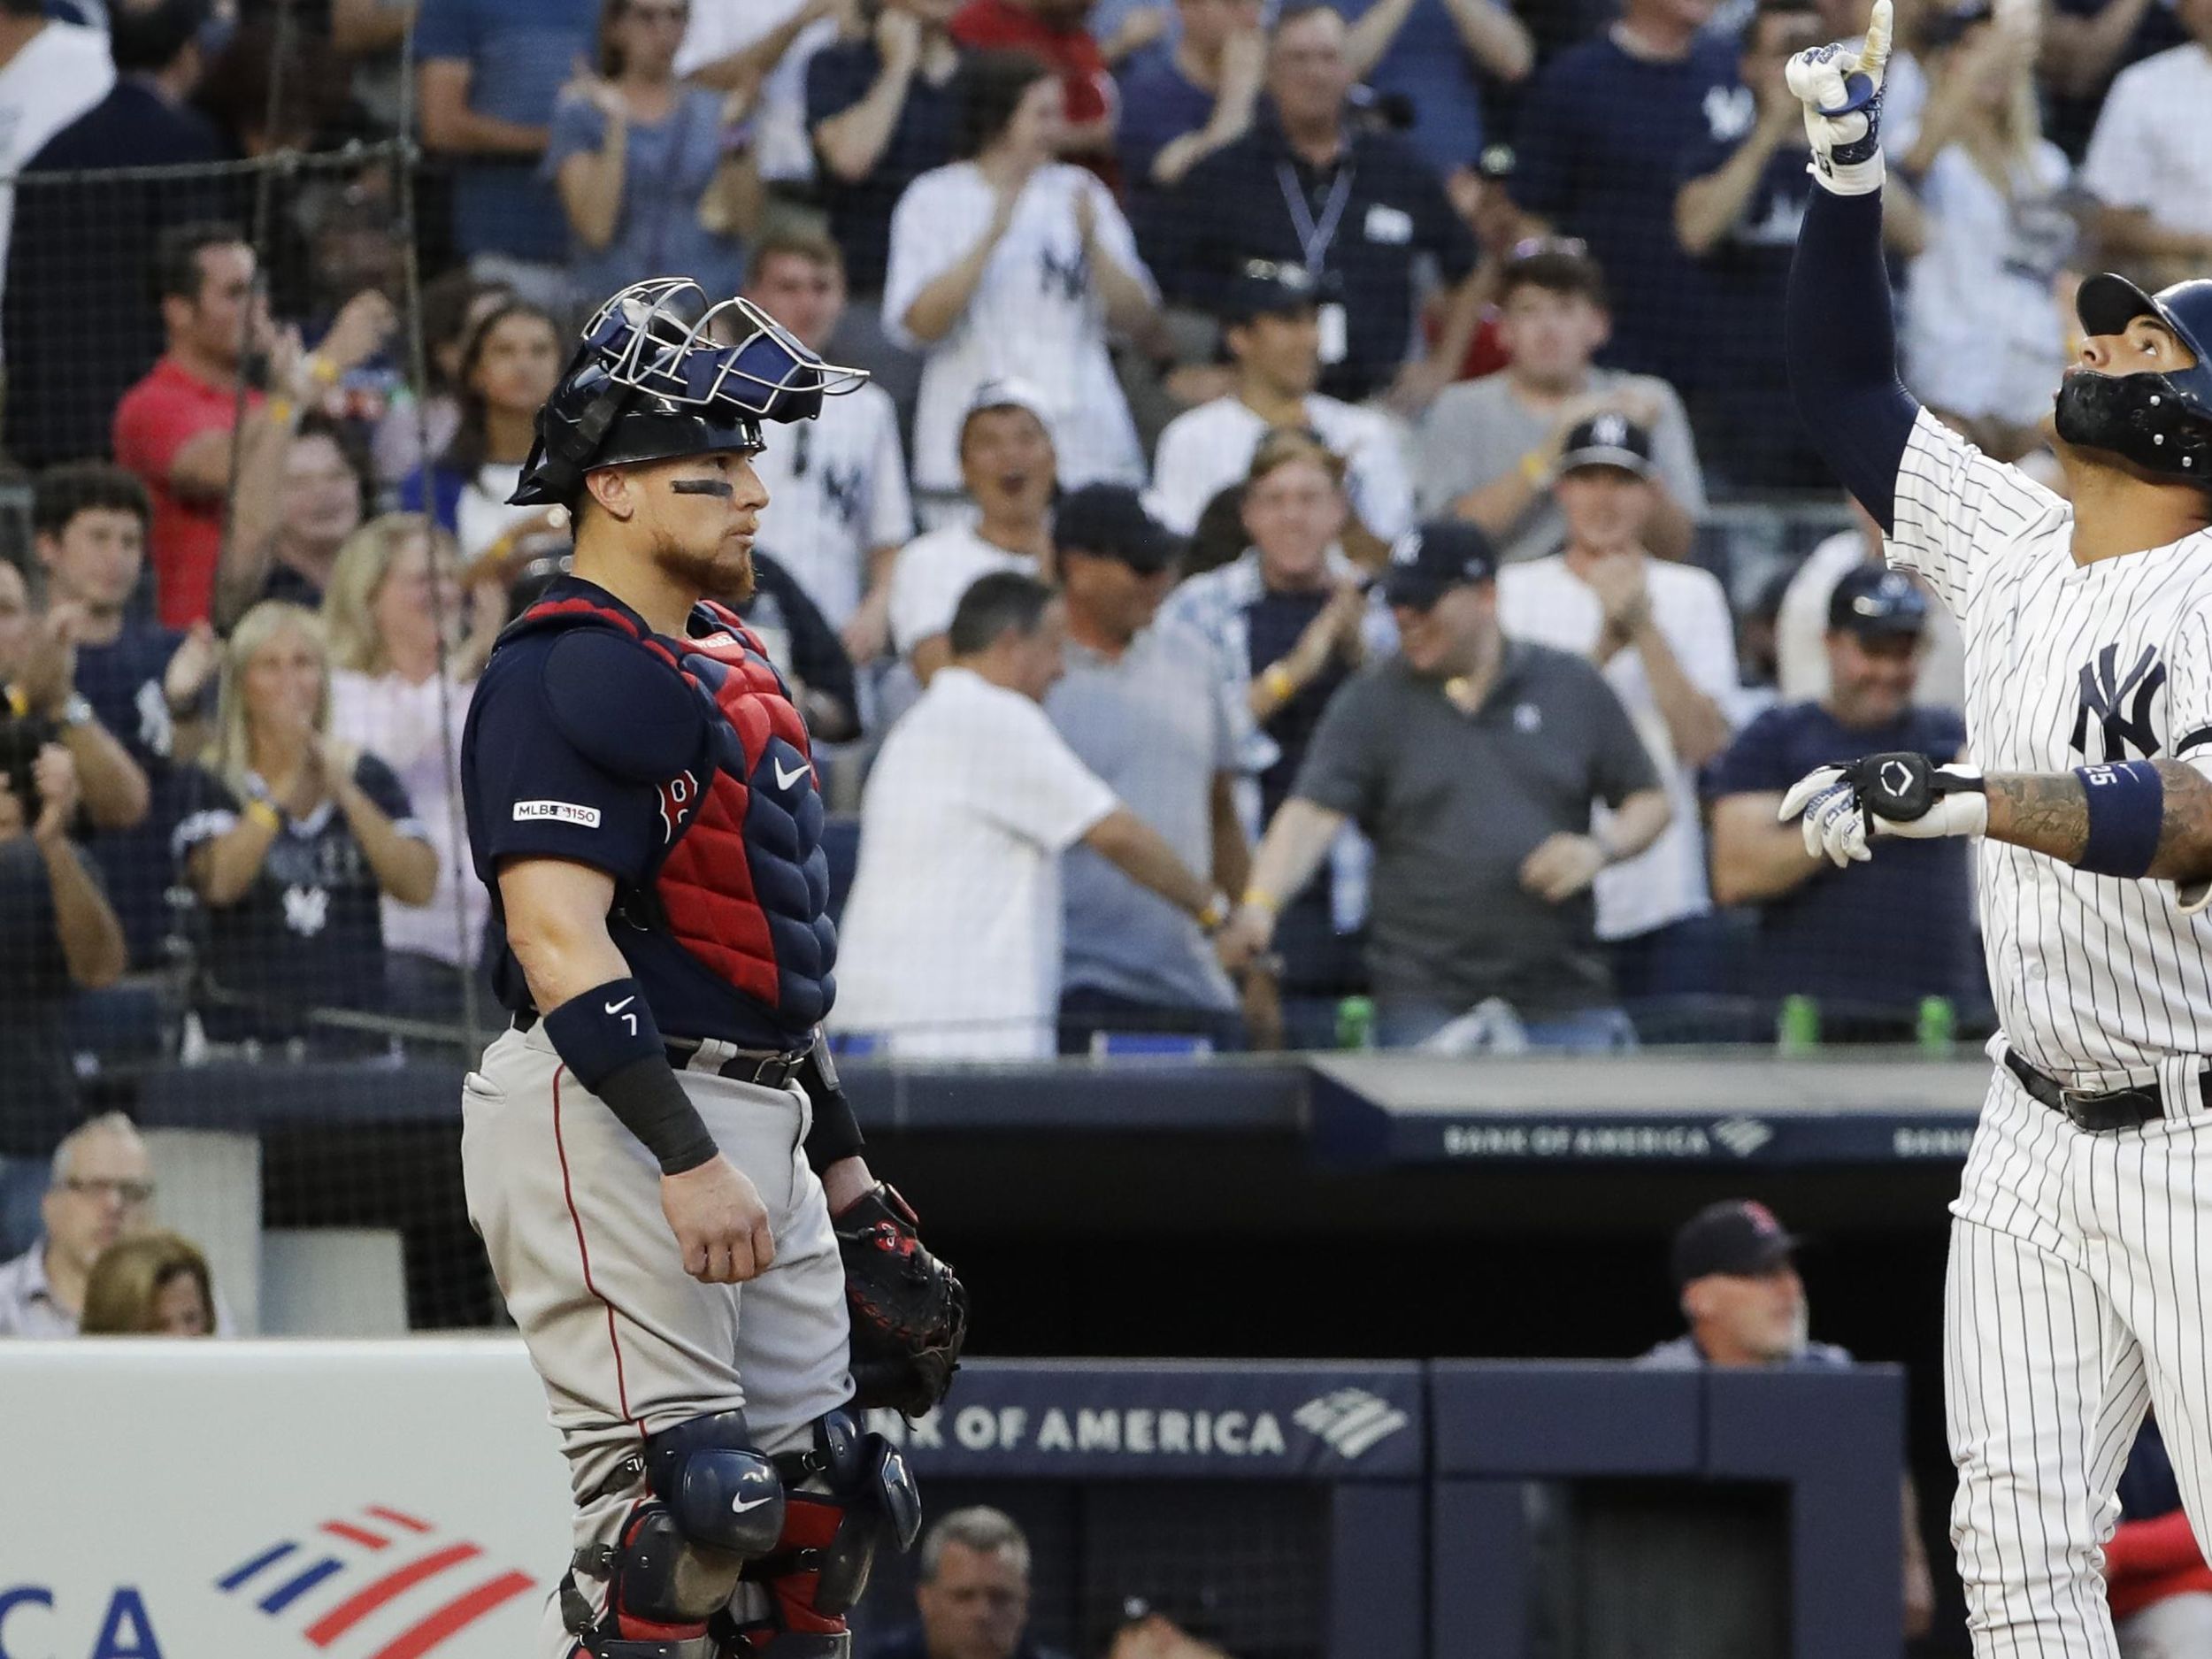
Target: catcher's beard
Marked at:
724, 573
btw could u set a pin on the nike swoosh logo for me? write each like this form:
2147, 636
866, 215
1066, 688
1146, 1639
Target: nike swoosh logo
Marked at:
738, 1506
616, 1008
783, 780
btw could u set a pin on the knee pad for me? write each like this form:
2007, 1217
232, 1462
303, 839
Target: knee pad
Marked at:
721, 1491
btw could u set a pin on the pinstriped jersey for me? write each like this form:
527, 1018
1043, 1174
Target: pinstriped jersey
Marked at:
2099, 982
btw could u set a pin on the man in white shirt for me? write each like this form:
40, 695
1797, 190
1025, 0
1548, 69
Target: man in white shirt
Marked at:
763, 45
1007, 465
103, 1182
838, 507
2150, 159
1274, 334
950, 941
50, 74
1663, 636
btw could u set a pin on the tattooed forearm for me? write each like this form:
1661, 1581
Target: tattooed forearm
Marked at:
2048, 813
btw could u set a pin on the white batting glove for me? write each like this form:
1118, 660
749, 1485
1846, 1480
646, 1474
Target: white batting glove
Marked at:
1841, 91
1843, 807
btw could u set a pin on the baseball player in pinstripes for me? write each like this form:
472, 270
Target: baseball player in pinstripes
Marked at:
2082, 1236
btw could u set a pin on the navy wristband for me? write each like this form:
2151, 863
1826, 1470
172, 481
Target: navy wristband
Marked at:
607, 1037
2127, 807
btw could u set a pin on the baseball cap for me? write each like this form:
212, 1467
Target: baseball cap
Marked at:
1109, 520
1873, 602
1738, 1236
1270, 287
1607, 439
1428, 562
1006, 392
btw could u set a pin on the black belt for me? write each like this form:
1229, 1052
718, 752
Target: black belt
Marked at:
763, 1068
2099, 1114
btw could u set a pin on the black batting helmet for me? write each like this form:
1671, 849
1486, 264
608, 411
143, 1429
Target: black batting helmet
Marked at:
2162, 423
661, 373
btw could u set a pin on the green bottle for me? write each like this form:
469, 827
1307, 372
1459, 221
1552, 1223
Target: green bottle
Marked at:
1798, 1029
1355, 1023
1939, 1028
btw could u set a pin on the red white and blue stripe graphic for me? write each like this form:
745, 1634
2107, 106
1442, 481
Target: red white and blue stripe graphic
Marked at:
354, 1568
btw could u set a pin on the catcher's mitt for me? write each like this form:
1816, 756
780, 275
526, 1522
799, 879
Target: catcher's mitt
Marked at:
910, 1311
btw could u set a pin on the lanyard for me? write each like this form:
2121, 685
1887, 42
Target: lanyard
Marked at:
1315, 237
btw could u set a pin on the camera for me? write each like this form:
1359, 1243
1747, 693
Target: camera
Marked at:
21, 737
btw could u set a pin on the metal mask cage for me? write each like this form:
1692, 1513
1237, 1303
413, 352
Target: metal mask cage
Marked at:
644, 342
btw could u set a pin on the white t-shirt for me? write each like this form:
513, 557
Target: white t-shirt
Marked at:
950, 942
1206, 449
836, 490
1544, 602
2153, 146
1983, 331
931, 574
719, 27
481, 514
416, 731
1801, 631
62, 71
1036, 316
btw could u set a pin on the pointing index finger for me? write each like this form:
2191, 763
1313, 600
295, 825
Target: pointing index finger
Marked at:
1875, 53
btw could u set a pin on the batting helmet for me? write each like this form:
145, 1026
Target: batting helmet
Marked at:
661, 373
2162, 423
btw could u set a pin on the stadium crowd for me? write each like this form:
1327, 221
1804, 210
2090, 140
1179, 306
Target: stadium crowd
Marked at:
1326, 556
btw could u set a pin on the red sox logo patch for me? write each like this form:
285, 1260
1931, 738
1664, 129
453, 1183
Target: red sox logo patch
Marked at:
679, 797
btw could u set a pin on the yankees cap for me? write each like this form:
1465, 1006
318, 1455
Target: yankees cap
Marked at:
1874, 602
1738, 1236
1429, 562
1006, 392
1607, 439
1275, 288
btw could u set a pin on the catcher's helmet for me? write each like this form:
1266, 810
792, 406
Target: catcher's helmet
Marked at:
660, 374
2162, 423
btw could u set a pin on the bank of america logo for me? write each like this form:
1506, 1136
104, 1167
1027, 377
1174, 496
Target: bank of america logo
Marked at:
1742, 1136
378, 1585
1351, 1421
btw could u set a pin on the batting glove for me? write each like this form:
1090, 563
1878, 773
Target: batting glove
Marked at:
1841, 91
1842, 807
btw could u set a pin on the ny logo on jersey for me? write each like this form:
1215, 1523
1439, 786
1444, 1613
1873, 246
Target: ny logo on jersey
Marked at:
1071, 278
2103, 690
843, 489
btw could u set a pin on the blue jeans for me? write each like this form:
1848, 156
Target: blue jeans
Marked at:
1406, 1024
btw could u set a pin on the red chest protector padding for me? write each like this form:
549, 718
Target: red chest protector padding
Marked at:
743, 881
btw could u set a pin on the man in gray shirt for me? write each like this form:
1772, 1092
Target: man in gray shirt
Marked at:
1472, 761
1140, 706
1486, 449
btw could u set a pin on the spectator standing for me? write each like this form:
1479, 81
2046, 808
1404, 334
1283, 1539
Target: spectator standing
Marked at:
1816, 922
1274, 334
153, 1284
1735, 1277
2149, 164
1142, 708
1737, 213
1485, 450
1472, 761
1007, 461
657, 177
838, 506
508, 369
2086, 43
451, 307
38, 688
83, 248
1354, 204
761, 50
1009, 262
2154, 1572
1182, 100
1285, 625
1437, 62
50, 73
973, 1593
1052, 32
974, 785
402, 670
179, 428
880, 109
1663, 636
326, 491
62, 936
290, 837
144, 682
488, 74
102, 1182
1598, 152
1983, 337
